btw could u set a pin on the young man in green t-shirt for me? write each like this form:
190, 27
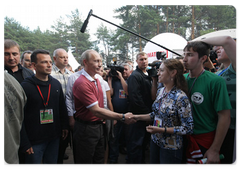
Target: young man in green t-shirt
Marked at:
226, 52
210, 105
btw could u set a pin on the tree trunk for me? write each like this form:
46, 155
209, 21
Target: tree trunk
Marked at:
173, 19
158, 24
139, 30
193, 23
167, 21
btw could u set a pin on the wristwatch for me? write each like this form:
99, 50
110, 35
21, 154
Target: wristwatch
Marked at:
123, 117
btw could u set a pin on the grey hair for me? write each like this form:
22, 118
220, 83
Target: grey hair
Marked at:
25, 52
129, 66
56, 51
85, 56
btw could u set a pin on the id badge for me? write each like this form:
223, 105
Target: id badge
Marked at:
157, 122
46, 116
122, 94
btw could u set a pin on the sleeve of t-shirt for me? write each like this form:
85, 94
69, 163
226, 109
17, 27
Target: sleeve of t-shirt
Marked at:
220, 95
106, 86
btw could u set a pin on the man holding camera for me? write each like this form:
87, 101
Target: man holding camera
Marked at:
118, 87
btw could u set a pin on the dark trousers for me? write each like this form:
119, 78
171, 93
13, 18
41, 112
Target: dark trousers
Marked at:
135, 140
114, 143
46, 152
88, 142
63, 144
227, 148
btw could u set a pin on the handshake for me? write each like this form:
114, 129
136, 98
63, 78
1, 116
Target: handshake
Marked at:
131, 118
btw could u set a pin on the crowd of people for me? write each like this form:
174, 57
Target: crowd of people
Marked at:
183, 114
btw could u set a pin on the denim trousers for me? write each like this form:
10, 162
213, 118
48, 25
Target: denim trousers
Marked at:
159, 155
46, 152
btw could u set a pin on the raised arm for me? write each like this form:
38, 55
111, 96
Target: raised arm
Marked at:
227, 43
123, 82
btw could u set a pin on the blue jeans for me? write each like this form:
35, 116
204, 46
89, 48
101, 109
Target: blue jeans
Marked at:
164, 156
46, 152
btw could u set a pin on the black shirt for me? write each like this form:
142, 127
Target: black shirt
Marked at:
20, 74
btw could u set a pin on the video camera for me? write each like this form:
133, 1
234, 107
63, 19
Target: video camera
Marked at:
213, 57
161, 55
156, 64
114, 68
153, 71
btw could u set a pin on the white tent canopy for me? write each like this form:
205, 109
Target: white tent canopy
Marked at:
228, 32
72, 61
169, 40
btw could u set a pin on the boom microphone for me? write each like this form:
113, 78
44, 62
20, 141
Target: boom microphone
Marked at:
84, 26
91, 14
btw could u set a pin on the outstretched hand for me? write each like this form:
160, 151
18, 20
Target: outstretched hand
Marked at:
129, 118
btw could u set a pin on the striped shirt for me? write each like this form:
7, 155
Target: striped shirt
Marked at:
61, 77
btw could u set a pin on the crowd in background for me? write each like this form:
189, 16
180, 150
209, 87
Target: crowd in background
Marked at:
185, 113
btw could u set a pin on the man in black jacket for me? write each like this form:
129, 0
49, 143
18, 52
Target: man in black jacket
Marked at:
45, 114
13, 67
140, 102
12, 61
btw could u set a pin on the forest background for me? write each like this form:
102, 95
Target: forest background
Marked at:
148, 21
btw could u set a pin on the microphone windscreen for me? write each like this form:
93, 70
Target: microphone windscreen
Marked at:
84, 26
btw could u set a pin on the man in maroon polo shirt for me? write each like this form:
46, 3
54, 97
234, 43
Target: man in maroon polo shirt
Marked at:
88, 137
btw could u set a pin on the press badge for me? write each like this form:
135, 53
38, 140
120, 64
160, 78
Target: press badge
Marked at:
46, 116
157, 122
122, 94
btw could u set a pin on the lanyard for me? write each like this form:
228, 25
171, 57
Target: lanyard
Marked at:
222, 72
195, 80
49, 89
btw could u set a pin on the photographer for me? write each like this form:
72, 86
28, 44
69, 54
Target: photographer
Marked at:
161, 56
118, 88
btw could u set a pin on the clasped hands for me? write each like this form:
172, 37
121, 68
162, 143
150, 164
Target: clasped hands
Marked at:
129, 118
